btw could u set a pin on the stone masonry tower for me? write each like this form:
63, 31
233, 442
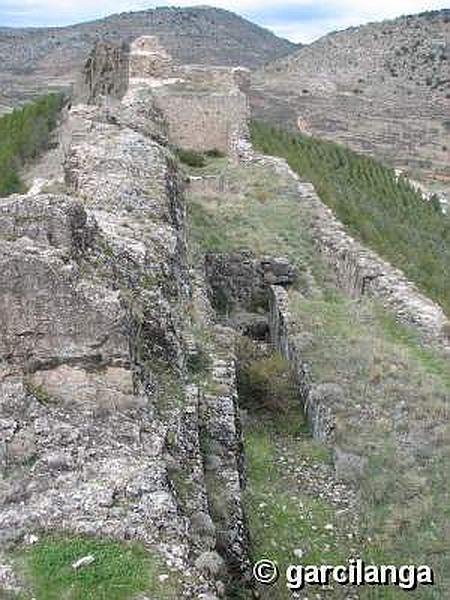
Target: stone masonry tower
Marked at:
205, 107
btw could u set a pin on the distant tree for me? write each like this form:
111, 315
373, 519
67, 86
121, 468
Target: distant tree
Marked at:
24, 134
384, 211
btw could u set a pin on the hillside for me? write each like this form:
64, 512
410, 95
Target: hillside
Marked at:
385, 212
201, 367
34, 59
383, 88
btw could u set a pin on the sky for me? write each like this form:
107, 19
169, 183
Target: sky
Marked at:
297, 20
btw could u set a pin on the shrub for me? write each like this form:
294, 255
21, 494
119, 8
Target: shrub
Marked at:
198, 362
265, 382
192, 158
215, 153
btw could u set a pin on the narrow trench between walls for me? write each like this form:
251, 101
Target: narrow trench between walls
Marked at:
295, 511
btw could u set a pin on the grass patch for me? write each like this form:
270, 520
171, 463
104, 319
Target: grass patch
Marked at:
409, 339
281, 519
258, 212
395, 411
385, 212
120, 570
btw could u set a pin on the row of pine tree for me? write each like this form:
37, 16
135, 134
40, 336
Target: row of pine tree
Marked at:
24, 134
381, 209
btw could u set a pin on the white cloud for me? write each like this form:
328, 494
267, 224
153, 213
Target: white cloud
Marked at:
351, 13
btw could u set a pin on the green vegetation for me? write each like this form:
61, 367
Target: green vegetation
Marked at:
394, 407
256, 211
403, 389
266, 382
384, 211
39, 392
192, 158
198, 363
119, 571
214, 153
24, 134
198, 160
282, 519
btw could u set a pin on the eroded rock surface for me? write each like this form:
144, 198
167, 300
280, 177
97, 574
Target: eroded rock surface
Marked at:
100, 425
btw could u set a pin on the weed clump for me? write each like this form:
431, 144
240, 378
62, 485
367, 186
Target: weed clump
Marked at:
192, 158
215, 153
266, 381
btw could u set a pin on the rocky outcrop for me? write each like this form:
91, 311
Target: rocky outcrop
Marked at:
106, 71
101, 424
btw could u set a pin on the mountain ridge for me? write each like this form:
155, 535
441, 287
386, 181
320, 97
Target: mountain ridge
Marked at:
382, 88
35, 59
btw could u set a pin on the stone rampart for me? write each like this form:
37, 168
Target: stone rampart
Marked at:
205, 121
361, 272
147, 58
105, 73
204, 108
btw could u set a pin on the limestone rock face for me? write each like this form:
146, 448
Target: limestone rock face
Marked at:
52, 314
49, 220
106, 70
100, 426
101, 419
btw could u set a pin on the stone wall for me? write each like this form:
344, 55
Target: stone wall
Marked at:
240, 280
147, 58
215, 77
319, 402
204, 108
205, 121
105, 73
361, 272
95, 395
221, 436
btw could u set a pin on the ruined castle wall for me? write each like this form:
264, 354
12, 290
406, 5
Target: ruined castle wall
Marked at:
241, 280
320, 408
106, 72
361, 272
205, 108
206, 122
148, 59
215, 76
